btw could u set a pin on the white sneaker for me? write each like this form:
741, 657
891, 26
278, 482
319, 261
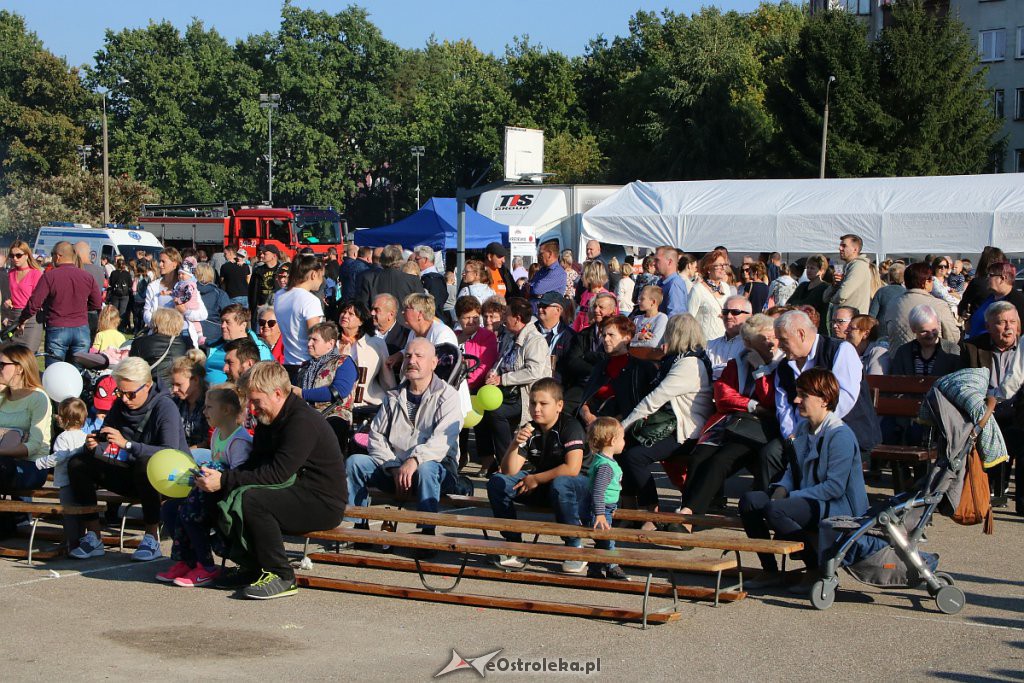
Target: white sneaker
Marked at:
148, 550
88, 546
574, 566
507, 562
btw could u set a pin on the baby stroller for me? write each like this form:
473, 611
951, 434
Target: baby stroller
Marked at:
881, 548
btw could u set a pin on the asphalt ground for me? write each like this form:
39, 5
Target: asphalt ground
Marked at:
107, 619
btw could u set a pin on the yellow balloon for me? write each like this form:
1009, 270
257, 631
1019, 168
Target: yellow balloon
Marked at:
472, 419
168, 472
490, 397
478, 405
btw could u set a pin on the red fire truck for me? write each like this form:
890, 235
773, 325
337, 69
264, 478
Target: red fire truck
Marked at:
212, 226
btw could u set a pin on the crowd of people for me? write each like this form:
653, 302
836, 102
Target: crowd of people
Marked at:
306, 382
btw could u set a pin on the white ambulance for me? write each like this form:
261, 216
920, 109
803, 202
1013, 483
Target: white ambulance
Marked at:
110, 242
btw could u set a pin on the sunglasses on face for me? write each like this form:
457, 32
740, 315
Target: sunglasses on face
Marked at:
17, 254
734, 312
268, 323
130, 395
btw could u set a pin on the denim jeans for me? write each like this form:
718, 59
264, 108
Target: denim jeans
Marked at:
62, 342
18, 474
429, 482
242, 301
568, 497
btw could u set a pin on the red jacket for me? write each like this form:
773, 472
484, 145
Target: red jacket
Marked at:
729, 398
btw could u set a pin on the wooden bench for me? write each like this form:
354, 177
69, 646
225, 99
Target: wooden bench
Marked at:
900, 396
38, 511
630, 515
670, 561
101, 497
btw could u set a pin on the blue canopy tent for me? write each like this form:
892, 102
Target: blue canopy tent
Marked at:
435, 226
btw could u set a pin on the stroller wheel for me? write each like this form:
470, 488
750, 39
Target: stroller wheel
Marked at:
950, 599
823, 593
944, 580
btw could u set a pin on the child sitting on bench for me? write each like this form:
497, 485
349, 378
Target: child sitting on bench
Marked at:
189, 521
606, 439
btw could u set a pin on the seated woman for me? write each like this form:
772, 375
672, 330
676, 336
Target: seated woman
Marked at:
926, 353
680, 393
163, 345
234, 324
825, 480
745, 412
326, 380
26, 408
188, 389
270, 333
369, 353
619, 380
480, 343
863, 333
144, 420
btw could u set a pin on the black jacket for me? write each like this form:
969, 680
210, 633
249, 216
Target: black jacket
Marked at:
391, 281
630, 387
435, 285
299, 441
161, 429
151, 347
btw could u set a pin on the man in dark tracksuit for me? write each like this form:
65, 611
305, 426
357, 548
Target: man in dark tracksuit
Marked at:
291, 440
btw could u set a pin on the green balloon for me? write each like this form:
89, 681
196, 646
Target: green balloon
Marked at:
478, 405
490, 397
472, 419
169, 472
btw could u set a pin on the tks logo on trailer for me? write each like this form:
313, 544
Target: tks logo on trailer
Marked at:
514, 202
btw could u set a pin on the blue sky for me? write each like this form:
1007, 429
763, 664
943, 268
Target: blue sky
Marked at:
74, 28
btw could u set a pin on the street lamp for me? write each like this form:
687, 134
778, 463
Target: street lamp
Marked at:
84, 151
106, 162
417, 151
270, 102
824, 127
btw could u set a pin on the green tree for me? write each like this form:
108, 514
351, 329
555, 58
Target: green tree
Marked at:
82, 193
41, 106
936, 94
179, 110
26, 207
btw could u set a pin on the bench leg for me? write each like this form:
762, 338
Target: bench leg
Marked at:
124, 524
436, 589
32, 538
647, 596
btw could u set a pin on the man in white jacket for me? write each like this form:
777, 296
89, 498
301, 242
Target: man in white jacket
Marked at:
414, 438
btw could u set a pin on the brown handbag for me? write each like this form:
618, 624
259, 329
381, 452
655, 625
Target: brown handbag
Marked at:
975, 507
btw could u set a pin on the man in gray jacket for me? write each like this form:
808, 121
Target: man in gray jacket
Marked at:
414, 438
855, 288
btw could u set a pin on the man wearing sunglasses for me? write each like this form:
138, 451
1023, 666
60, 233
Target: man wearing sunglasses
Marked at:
730, 345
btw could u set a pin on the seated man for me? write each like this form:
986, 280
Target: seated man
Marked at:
543, 464
297, 477
414, 438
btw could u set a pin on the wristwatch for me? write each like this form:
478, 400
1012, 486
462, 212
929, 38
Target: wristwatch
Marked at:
127, 445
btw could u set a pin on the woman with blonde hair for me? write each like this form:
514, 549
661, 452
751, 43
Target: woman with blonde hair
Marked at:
163, 344
474, 282
595, 279
709, 293
624, 290
23, 274
24, 409
188, 389
173, 291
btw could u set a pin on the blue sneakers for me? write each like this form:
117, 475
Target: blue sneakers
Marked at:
88, 546
148, 550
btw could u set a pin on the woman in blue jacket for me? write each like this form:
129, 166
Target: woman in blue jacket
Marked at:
825, 480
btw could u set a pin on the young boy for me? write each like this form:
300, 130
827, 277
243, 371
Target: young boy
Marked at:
71, 416
544, 462
606, 439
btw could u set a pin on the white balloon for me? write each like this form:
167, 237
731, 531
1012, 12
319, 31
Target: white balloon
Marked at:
62, 380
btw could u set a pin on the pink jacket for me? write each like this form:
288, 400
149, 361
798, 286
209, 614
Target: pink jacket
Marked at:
484, 346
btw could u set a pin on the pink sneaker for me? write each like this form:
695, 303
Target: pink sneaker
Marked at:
200, 576
175, 571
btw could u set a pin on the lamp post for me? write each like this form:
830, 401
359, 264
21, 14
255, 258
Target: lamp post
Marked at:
84, 151
417, 151
824, 127
270, 102
106, 166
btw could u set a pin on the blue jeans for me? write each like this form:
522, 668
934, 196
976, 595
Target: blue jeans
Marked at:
429, 482
566, 495
19, 474
62, 342
242, 301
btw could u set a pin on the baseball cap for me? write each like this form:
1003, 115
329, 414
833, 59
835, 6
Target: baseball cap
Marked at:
271, 248
551, 299
243, 253
497, 249
103, 397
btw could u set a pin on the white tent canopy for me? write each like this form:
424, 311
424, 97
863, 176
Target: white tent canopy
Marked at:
939, 214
